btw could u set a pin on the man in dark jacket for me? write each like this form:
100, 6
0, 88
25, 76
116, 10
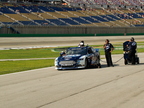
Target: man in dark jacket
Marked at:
108, 47
132, 45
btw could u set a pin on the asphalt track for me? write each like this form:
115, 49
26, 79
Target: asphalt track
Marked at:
120, 86
25, 42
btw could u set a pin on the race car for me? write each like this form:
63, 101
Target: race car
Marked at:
78, 57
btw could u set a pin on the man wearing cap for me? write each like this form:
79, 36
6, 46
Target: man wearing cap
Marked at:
108, 47
132, 50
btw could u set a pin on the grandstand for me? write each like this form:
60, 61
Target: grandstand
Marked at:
95, 13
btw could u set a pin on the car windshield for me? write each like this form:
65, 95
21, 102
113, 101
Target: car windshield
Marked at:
77, 50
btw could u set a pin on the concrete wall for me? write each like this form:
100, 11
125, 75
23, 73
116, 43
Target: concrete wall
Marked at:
71, 30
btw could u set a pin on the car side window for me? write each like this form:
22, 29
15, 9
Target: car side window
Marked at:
90, 50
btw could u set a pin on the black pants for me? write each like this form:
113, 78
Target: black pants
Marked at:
108, 58
132, 56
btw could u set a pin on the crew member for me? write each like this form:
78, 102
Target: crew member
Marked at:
132, 50
108, 47
81, 44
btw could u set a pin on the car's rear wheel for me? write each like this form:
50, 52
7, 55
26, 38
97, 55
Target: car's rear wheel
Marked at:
99, 65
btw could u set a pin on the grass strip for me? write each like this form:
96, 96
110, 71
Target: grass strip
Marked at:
27, 53
52, 52
23, 65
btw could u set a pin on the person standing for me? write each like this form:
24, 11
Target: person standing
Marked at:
132, 45
108, 47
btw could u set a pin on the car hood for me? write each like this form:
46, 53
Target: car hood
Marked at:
69, 57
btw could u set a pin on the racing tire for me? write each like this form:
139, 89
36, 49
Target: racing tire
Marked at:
60, 69
99, 65
86, 63
96, 66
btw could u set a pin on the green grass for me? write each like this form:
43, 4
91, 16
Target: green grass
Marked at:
27, 53
17, 66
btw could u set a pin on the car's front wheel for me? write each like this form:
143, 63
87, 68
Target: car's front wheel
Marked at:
86, 63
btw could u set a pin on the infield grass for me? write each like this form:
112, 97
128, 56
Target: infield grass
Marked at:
27, 53
23, 65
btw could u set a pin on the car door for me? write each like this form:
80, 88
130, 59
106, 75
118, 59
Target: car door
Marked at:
92, 57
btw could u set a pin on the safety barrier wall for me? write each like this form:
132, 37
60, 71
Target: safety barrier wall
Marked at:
65, 35
71, 31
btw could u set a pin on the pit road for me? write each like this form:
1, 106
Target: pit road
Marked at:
120, 86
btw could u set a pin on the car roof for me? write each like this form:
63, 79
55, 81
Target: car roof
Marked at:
85, 47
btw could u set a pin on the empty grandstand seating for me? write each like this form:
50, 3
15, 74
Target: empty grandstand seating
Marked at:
108, 2
19, 9
57, 22
46, 9
43, 22
6, 10
28, 23
71, 16
5, 19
